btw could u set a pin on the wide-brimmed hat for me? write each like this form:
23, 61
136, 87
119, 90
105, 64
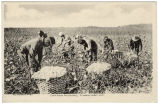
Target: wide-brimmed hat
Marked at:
135, 38
78, 36
68, 38
61, 34
41, 32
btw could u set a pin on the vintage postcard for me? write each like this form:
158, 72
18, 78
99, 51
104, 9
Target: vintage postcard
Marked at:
79, 51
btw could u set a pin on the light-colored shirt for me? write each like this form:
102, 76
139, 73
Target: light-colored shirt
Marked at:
34, 46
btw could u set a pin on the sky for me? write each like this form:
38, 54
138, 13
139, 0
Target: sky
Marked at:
77, 14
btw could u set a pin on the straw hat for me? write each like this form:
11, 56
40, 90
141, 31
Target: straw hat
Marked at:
61, 34
76, 37
68, 38
135, 38
105, 37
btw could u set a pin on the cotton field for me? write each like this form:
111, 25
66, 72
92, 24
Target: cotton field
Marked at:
118, 78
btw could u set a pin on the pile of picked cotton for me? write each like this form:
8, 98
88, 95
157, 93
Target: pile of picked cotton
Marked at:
131, 58
50, 72
126, 58
98, 67
51, 80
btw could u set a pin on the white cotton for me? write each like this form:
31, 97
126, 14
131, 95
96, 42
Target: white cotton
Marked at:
48, 72
126, 57
114, 51
98, 67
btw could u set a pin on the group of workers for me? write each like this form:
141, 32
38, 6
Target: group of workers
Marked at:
32, 51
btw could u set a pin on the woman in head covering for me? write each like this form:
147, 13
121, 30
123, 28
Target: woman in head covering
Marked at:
63, 37
82, 41
68, 48
90, 46
108, 44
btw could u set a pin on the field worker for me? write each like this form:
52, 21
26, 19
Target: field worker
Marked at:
136, 44
93, 50
33, 50
69, 48
68, 42
81, 41
90, 46
48, 45
81, 46
108, 44
63, 38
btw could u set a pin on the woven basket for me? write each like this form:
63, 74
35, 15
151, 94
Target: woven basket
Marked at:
126, 58
53, 85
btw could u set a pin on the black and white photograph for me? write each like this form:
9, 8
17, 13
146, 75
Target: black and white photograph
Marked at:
79, 48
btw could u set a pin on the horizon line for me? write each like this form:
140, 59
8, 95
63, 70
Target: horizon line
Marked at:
78, 26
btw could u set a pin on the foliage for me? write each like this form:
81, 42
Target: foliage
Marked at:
117, 80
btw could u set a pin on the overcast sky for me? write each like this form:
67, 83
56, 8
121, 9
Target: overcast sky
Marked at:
70, 14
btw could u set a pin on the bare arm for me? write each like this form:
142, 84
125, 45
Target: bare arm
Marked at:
89, 44
112, 46
61, 42
40, 53
140, 44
